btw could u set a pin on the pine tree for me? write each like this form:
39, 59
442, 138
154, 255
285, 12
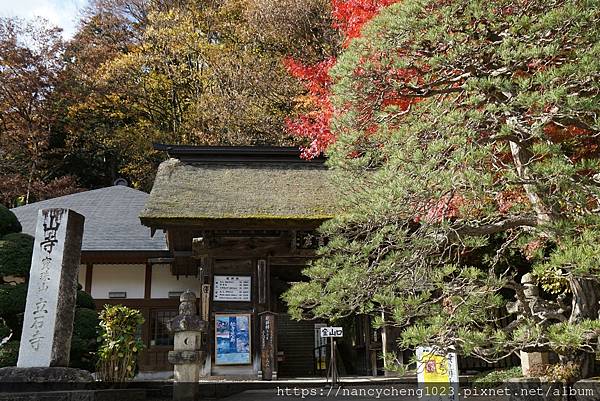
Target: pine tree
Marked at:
466, 152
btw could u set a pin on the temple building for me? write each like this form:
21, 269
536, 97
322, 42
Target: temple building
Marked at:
235, 225
243, 221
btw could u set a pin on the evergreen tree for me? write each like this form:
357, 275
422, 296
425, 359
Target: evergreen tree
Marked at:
466, 152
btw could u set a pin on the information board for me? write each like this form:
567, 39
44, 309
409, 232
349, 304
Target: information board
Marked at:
232, 288
232, 339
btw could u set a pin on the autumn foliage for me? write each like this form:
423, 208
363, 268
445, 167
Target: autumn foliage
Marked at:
84, 111
348, 16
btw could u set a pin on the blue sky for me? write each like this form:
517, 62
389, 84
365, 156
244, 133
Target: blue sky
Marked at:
62, 13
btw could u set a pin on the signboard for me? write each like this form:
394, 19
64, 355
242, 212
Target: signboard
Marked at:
267, 344
232, 288
439, 373
331, 332
205, 300
232, 339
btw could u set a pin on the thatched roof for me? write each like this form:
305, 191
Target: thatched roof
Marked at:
199, 187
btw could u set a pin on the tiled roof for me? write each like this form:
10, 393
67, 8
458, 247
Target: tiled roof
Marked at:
111, 219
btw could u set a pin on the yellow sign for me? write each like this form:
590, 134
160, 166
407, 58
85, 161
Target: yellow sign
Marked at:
435, 368
437, 374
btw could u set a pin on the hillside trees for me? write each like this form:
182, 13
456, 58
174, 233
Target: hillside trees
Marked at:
108, 29
30, 64
466, 151
139, 71
208, 73
312, 119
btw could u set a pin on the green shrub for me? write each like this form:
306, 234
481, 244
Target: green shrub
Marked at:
120, 345
15, 254
84, 341
9, 353
85, 300
83, 354
4, 330
498, 376
8, 222
85, 324
12, 306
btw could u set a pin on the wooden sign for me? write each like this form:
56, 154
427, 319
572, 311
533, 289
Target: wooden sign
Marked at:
205, 299
309, 240
267, 344
331, 332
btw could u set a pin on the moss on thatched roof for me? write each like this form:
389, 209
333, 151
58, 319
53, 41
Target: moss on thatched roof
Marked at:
239, 190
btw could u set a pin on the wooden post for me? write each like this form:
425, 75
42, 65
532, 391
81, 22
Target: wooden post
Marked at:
89, 272
332, 363
148, 281
205, 302
267, 345
262, 281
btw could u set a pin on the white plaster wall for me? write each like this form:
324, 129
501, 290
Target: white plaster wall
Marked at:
81, 275
163, 282
128, 278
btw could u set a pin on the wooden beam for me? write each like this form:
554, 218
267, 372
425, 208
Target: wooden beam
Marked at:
291, 260
248, 248
148, 281
89, 271
160, 261
139, 303
234, 224
121, 257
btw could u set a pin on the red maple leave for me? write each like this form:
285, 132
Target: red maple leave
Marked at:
349, 16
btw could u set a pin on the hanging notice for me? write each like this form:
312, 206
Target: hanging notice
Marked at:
232, 337
232, 288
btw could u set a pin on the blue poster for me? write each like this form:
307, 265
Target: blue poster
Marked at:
232, 339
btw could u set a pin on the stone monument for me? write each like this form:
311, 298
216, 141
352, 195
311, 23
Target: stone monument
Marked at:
50, 306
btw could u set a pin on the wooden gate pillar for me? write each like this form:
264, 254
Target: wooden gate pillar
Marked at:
268, 345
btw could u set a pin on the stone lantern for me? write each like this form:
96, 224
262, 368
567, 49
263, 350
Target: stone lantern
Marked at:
190, 331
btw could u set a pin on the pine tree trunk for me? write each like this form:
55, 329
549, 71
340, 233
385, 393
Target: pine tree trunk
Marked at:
584, 306
586, 291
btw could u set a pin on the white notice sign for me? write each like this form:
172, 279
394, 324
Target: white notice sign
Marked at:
331, 332
232, 288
